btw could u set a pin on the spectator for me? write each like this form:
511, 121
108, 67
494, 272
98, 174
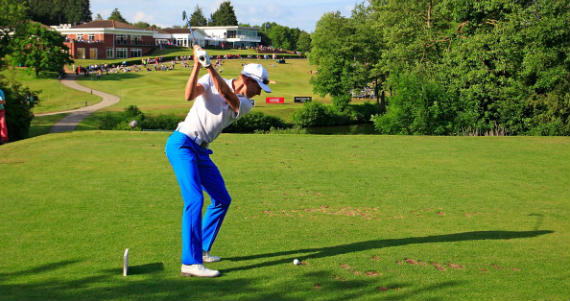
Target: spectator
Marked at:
3, 126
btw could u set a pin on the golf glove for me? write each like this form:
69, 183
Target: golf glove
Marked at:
203, 58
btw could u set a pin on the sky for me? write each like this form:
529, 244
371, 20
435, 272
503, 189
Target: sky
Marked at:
302, 14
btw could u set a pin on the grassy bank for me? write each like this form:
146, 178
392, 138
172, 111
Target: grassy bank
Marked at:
54, 97
371, 218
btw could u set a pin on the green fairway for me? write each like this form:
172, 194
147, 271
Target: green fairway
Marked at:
162, 92
54, 97
371, 218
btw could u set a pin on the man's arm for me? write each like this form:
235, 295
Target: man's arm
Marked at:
224, 89
193, 89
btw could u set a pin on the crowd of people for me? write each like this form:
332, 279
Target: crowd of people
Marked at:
159, 63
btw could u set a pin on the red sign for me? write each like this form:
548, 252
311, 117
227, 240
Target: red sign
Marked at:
274, 99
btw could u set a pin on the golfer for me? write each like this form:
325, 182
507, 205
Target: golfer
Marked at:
219, 102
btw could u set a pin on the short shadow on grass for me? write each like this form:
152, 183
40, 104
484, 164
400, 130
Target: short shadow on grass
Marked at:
383, 243
44, 268
141, 269
112, 286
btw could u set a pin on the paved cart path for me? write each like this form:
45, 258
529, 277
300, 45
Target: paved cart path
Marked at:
76, 116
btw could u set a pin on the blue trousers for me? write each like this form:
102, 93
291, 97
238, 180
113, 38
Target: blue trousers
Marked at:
195, 171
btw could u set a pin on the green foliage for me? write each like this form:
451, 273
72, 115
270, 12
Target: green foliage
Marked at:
160, 122
418, 106
12, 15
250, 123
197, 18
19, 102
504, 65
39, 48
55, 12
283, 37
255, 122
142, 25
333, 56
315, 114
224, 15
304, 42
116, 16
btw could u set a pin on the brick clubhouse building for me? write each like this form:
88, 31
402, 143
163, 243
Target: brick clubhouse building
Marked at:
107, 39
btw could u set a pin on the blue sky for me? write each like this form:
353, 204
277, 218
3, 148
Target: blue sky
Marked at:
302, 14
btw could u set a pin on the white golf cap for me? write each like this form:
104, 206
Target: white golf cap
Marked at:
259, 74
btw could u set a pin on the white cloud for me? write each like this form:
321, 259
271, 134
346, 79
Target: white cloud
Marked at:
142, 17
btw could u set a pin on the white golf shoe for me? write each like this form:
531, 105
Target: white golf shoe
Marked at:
198, 270
206, 257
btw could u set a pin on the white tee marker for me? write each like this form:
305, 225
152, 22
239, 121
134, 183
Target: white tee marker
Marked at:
126, 262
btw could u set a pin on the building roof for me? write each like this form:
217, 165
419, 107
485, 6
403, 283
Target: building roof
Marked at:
175, 30
105, 24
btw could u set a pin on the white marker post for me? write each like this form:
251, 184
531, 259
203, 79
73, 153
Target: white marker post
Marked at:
126, 262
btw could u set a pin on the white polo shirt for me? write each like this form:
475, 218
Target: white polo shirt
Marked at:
210, 113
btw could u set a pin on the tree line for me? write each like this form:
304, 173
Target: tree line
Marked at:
272, 34
447, 67
55, 12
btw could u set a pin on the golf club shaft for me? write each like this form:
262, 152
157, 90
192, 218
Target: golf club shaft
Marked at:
192, 32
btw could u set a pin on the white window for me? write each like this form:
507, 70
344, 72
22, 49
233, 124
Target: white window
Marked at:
80, 53
135, 52
121, 53
136, 39
110, 53
121, 39
91, 37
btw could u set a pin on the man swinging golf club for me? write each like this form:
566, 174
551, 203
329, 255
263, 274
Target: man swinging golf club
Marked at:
218, 103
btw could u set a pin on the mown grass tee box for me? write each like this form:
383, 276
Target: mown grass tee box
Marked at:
369, 218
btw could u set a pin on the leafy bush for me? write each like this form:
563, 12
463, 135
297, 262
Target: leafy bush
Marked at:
314, 114
417, 106
18, 108
255, 122
250, 123
160, 122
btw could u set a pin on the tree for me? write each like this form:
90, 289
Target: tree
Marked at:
54, 12
40, 48
333, 57
142, 25
99, 17
12, 15
116, 16
279, 36
224, 16
367, 44
197, 18
18, 106
304, 42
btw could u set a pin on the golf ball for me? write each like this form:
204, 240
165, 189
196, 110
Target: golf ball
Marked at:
296, 261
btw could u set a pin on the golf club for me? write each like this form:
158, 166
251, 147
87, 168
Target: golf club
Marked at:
203, 57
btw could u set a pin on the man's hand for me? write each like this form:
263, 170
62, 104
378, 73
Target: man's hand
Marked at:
201, 56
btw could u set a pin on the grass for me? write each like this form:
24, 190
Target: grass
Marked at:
162, 92
41, 125
373, 218
54, 97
